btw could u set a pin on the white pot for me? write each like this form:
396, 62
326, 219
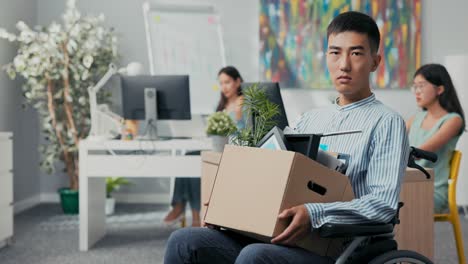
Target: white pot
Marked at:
219, 142
110, 206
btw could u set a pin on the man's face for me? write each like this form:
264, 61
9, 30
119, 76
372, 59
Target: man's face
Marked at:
350, 62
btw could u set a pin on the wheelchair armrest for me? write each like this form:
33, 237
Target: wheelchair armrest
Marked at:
347, 230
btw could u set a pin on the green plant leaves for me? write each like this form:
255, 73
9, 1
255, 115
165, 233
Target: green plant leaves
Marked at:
257, 105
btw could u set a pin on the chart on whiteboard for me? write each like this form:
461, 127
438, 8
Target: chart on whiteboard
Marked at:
187, 42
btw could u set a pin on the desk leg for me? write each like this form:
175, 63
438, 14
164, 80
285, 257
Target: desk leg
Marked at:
92, 212
92, 208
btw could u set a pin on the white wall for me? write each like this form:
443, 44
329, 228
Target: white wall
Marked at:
440, 36
23, 123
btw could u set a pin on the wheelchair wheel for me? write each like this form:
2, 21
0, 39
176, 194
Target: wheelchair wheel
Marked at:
401, 256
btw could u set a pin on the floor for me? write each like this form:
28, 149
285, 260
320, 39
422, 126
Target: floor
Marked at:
44, 234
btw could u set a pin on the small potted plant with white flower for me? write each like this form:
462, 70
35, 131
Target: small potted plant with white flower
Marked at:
220, 127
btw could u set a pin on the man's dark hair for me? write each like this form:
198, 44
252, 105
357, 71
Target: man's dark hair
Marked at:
356, 22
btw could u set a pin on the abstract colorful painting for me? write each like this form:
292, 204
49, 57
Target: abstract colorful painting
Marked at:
293, 40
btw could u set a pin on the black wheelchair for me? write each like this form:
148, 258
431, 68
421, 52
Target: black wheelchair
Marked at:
374, 243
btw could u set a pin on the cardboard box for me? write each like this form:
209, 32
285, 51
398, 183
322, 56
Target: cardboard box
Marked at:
253, 186
416, 229
416, 217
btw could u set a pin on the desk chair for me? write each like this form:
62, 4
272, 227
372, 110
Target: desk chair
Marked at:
452, 216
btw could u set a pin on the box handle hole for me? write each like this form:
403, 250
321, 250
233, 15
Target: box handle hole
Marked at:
316, 188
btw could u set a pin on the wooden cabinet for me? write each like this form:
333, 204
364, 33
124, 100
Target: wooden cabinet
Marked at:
6, 187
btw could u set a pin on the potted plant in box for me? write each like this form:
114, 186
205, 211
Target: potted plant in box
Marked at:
256, 105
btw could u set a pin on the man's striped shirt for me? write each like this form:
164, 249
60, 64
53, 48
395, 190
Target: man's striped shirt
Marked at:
378, 158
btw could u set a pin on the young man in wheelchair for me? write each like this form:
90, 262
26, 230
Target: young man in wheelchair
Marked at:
379, 157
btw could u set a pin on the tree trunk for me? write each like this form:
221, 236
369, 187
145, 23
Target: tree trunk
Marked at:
66, 92
58, 133
71, 161
71, 165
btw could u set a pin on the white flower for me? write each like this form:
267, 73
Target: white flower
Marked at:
5, 35
85, 75
47, 126
33, 70
26, 36
101, 17
11, 37
82, 100
86, 26
43, 36
100, 32
91, 44
71, 3
88, 61
70, 17
72, 46
75, 32
35, 60
55, 28
19, 63
21, 26
34, 48
10, 71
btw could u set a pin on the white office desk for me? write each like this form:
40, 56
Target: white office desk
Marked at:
116, 158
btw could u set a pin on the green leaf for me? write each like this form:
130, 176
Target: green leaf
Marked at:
257, 104
113, 184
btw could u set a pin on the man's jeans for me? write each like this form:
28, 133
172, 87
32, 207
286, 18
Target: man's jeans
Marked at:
204, 245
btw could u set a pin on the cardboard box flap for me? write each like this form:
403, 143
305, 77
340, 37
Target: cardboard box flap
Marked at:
415, 175
249, 174
211, 157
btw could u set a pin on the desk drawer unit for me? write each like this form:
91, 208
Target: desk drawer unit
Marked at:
6, 222
6, 157
6, 187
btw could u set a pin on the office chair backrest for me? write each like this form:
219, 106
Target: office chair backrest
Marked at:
453, 175
455, 164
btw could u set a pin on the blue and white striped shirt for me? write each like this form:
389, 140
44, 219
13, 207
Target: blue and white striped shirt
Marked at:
378, 159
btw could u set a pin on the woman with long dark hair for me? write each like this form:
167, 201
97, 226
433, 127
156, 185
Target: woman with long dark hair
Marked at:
231, 99
187, 190
438, 126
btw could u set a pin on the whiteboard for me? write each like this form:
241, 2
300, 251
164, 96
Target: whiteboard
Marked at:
187, 40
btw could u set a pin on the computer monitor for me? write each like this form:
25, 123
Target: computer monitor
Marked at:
274, 95
155, 97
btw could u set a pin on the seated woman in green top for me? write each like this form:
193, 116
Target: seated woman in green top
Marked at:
438, 126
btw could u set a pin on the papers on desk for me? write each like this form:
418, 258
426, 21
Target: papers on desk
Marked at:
334, 161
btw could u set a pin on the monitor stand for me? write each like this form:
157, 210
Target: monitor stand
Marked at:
151, 115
